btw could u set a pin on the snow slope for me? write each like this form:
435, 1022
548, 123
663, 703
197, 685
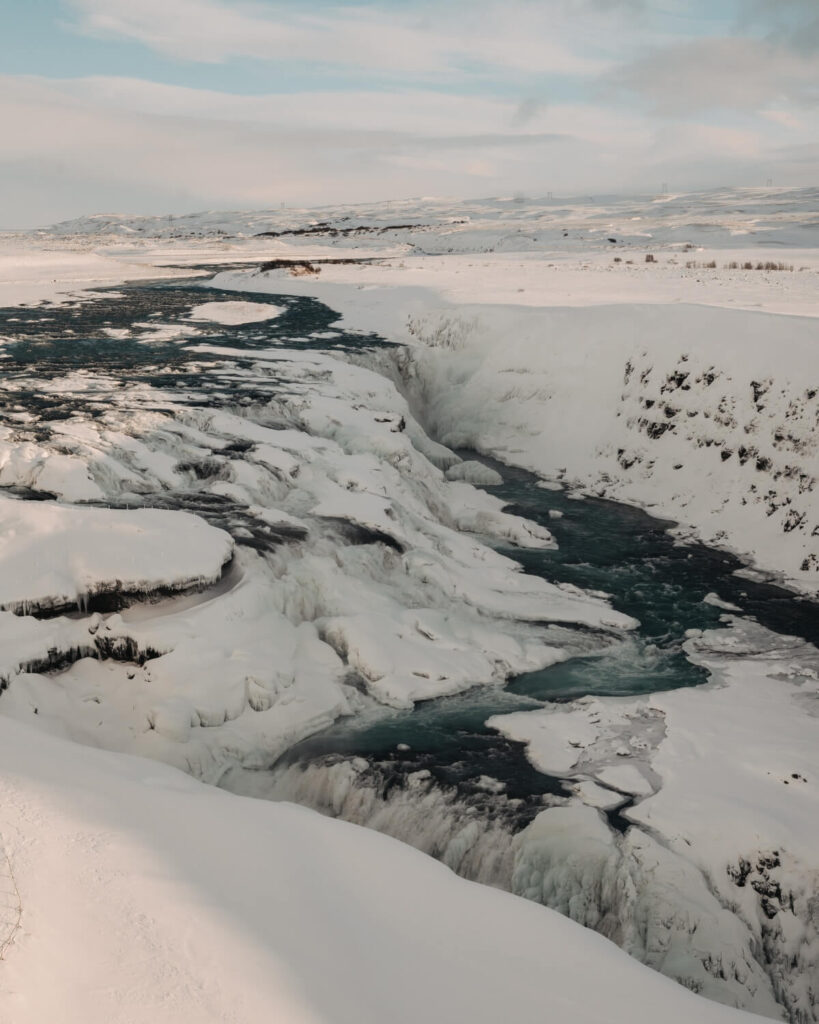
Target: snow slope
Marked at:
147, 897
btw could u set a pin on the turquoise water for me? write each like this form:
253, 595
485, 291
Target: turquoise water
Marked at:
630, 555
603, 545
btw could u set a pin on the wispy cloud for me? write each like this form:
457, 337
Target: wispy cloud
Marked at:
794, 23
141, 146
469, 97
433, 39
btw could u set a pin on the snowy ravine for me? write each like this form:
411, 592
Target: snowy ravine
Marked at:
679, 408
687, 412
225, 527
709, 871
735, 920
352, 565
340, 558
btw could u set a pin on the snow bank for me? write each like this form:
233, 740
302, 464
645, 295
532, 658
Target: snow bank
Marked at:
725, 776
234, 313
148, 897
35, 269
55, 557
681, 409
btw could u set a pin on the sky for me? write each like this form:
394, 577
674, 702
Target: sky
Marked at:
174, 106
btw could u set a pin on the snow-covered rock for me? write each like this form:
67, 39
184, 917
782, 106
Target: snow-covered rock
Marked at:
57, 557
233, 313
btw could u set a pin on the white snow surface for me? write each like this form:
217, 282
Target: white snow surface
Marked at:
148, 898
57, 556
233, 313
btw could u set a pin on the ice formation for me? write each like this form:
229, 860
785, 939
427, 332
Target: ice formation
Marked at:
58, 558
356, 562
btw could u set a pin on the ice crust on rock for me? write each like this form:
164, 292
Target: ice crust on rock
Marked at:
474, 473
56, 557
405, 656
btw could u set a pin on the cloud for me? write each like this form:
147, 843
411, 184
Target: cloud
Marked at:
528, 109
426, 39
732, 73
419, 111
142, 147
793, 23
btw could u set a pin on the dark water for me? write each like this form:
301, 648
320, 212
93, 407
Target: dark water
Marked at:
59, 339
43, 345
632, 556
602, 545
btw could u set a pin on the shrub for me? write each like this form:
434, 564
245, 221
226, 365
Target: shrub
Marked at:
767, 265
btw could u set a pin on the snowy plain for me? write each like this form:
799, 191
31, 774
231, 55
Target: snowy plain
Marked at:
521, 337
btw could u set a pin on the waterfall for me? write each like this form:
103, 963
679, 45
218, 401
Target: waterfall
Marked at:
547, 848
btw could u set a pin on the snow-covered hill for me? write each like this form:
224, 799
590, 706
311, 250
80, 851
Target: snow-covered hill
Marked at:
770, 217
